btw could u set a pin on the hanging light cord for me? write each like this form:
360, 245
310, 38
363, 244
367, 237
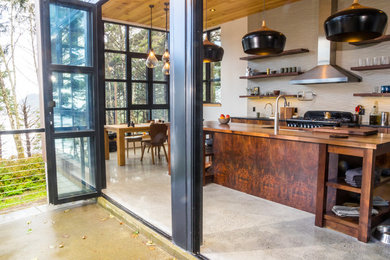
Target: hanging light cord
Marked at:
151, 16
264, 10
206, 20
166, 21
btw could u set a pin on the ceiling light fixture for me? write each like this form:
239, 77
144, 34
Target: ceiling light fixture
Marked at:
211, 51
152, 60
264, 41
356, 23
166, 56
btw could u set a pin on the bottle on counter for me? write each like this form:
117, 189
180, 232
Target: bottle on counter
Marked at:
375, 117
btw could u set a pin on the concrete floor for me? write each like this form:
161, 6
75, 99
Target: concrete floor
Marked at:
236, 225
142, 187
79, 232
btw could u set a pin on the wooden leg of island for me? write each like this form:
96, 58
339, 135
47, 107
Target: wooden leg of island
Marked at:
366, 195
321, 186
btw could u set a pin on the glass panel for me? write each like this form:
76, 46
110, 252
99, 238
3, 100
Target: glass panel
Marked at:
116, 117
204, 71
115, 65
116, 94
140, 116
138, 69
71, 93
138, 40
139, 94
158, 42
75, 171
114, 37
204, 91
161, 114
70, 36
160, 94
215, 37
215, 92
158, 74
215, 70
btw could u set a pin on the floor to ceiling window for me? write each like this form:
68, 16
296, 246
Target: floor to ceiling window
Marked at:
134, 92
212, 72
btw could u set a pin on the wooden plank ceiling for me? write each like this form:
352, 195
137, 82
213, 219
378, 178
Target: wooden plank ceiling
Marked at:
138, 11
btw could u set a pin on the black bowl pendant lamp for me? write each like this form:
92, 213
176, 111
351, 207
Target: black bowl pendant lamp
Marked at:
211, 51
264, 41
152, 60
356, 23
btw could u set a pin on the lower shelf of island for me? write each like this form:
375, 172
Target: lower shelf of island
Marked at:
350, 225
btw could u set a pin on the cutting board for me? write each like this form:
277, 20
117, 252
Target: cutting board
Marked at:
346, 130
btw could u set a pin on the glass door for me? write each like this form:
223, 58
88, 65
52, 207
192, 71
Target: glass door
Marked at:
70, 91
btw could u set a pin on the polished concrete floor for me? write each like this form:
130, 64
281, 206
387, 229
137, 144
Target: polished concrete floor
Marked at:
236, 225
78, 232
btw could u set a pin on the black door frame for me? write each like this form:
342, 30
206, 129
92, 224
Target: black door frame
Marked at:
186, 30
46, 69
186, 113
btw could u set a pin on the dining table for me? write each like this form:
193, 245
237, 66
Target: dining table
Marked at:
121, 130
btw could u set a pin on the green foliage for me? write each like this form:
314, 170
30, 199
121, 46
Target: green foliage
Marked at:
21, 180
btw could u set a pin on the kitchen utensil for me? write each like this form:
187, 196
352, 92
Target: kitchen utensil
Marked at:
286, 112
276, 92
382, 233
384, 118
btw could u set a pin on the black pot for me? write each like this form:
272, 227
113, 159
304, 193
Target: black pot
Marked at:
212, 52
264, 42
356, 23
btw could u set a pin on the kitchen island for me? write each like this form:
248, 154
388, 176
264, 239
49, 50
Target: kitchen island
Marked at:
298, 168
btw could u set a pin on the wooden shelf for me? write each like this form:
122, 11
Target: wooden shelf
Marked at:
271, 96
376, 67
271, 75
342, 185
383, 38
371, 94
288, 52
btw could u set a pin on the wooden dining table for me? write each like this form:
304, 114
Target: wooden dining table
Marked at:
120, 131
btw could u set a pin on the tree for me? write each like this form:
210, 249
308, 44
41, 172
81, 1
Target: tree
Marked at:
14, 17
30, 120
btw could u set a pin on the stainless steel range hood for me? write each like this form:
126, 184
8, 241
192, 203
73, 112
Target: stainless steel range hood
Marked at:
327, 71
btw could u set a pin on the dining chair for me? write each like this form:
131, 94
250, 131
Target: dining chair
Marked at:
132, 139
157, 139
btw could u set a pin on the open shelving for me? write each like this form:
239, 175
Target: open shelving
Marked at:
288, 52
271, 75
375, 67
267, 96
371, 94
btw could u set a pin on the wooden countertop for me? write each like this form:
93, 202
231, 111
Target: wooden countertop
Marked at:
379, 141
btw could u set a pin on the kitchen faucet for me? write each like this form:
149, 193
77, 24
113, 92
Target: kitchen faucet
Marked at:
276, 125
272, 108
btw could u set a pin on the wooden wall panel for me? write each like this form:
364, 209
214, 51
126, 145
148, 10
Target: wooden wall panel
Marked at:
276, 170
137, 11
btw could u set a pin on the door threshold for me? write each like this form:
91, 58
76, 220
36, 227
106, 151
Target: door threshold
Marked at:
159, 237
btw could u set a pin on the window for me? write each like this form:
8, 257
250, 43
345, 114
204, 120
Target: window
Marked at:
134, 92
212, 72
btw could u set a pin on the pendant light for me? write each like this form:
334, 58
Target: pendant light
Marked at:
356, 23
211, 51
166, 56
151, 61
264, 41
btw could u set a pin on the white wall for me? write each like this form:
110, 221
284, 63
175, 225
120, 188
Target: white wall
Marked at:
299, 22
231, 69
